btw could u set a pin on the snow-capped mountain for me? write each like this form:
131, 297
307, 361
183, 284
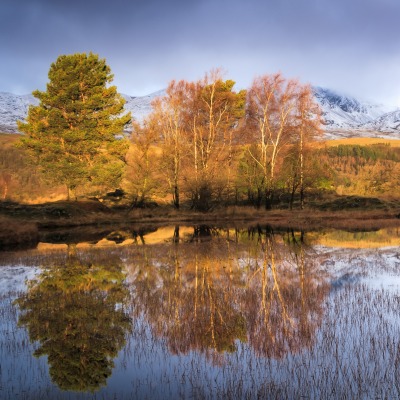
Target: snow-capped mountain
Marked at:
389, 122
346, 112
14, 107
344, 116
140, 107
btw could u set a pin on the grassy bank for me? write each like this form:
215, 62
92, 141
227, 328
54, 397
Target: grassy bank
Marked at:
15, 234
20, 224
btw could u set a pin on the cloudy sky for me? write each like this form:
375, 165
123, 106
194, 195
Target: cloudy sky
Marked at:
351, 46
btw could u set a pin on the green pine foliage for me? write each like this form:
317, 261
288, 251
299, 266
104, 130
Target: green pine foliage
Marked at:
76, 313
72, 134
374, 152
371, 170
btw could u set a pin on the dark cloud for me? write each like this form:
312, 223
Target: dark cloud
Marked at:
347, 45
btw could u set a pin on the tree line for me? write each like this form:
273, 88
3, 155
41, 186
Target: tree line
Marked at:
204, 143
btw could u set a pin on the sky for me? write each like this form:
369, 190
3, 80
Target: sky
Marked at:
350, 46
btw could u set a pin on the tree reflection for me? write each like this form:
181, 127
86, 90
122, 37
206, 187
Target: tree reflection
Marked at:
259, 288
188, 301
76, 313
284, 298
200, 313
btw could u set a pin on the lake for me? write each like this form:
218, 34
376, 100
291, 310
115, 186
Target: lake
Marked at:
202, 312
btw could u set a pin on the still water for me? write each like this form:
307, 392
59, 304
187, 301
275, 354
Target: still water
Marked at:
202, 312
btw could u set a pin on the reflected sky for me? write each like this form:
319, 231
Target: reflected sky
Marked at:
203, 313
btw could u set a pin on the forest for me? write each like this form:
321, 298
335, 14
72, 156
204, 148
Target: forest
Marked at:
204, 145
340, 172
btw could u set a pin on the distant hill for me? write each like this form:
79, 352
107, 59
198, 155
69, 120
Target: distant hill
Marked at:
389, 122
14, 107
344, 116
140, 107
341, 111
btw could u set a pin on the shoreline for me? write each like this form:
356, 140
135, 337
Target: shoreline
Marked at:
24, 228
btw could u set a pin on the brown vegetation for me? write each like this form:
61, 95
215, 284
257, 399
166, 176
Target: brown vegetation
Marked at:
209, 153
60, 213
362, 141
20, 225
20, 179
17, 234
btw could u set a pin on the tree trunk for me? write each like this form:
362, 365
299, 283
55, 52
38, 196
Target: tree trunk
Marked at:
176, 234
5, 190
292, 197
71, 194
301, 172
259, 198
176, 197
302, 197
268, 199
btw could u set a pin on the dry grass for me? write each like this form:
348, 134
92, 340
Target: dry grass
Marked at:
347, 220
92, 213
361, 141
14, 234
297, 219
60, 213
8, 140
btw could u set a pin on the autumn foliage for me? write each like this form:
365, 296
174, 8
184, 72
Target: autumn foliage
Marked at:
221, 145
205, 144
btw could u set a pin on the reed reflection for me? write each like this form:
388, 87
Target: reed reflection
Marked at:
241, 285
76, 313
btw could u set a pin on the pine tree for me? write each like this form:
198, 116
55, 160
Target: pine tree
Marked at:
72, 133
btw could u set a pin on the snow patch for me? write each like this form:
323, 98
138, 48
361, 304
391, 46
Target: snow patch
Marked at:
344, 116
346, 112
140, 107
14, 278
14, 108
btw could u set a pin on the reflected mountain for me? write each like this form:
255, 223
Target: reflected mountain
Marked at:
76, 314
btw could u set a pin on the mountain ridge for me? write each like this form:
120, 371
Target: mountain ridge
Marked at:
343, 115
342, 111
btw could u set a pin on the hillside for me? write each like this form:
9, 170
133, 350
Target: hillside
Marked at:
15, 107
344, 116
389, 122
340, 111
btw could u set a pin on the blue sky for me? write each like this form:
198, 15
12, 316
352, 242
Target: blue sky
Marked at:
352, 46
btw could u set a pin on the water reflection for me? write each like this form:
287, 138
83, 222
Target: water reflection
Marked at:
248, 285
152, 234
211, 312
285, 294
191, 308
76, 313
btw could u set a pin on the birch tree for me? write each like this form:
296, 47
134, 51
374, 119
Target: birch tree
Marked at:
274, 114
169, 117
215, 111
